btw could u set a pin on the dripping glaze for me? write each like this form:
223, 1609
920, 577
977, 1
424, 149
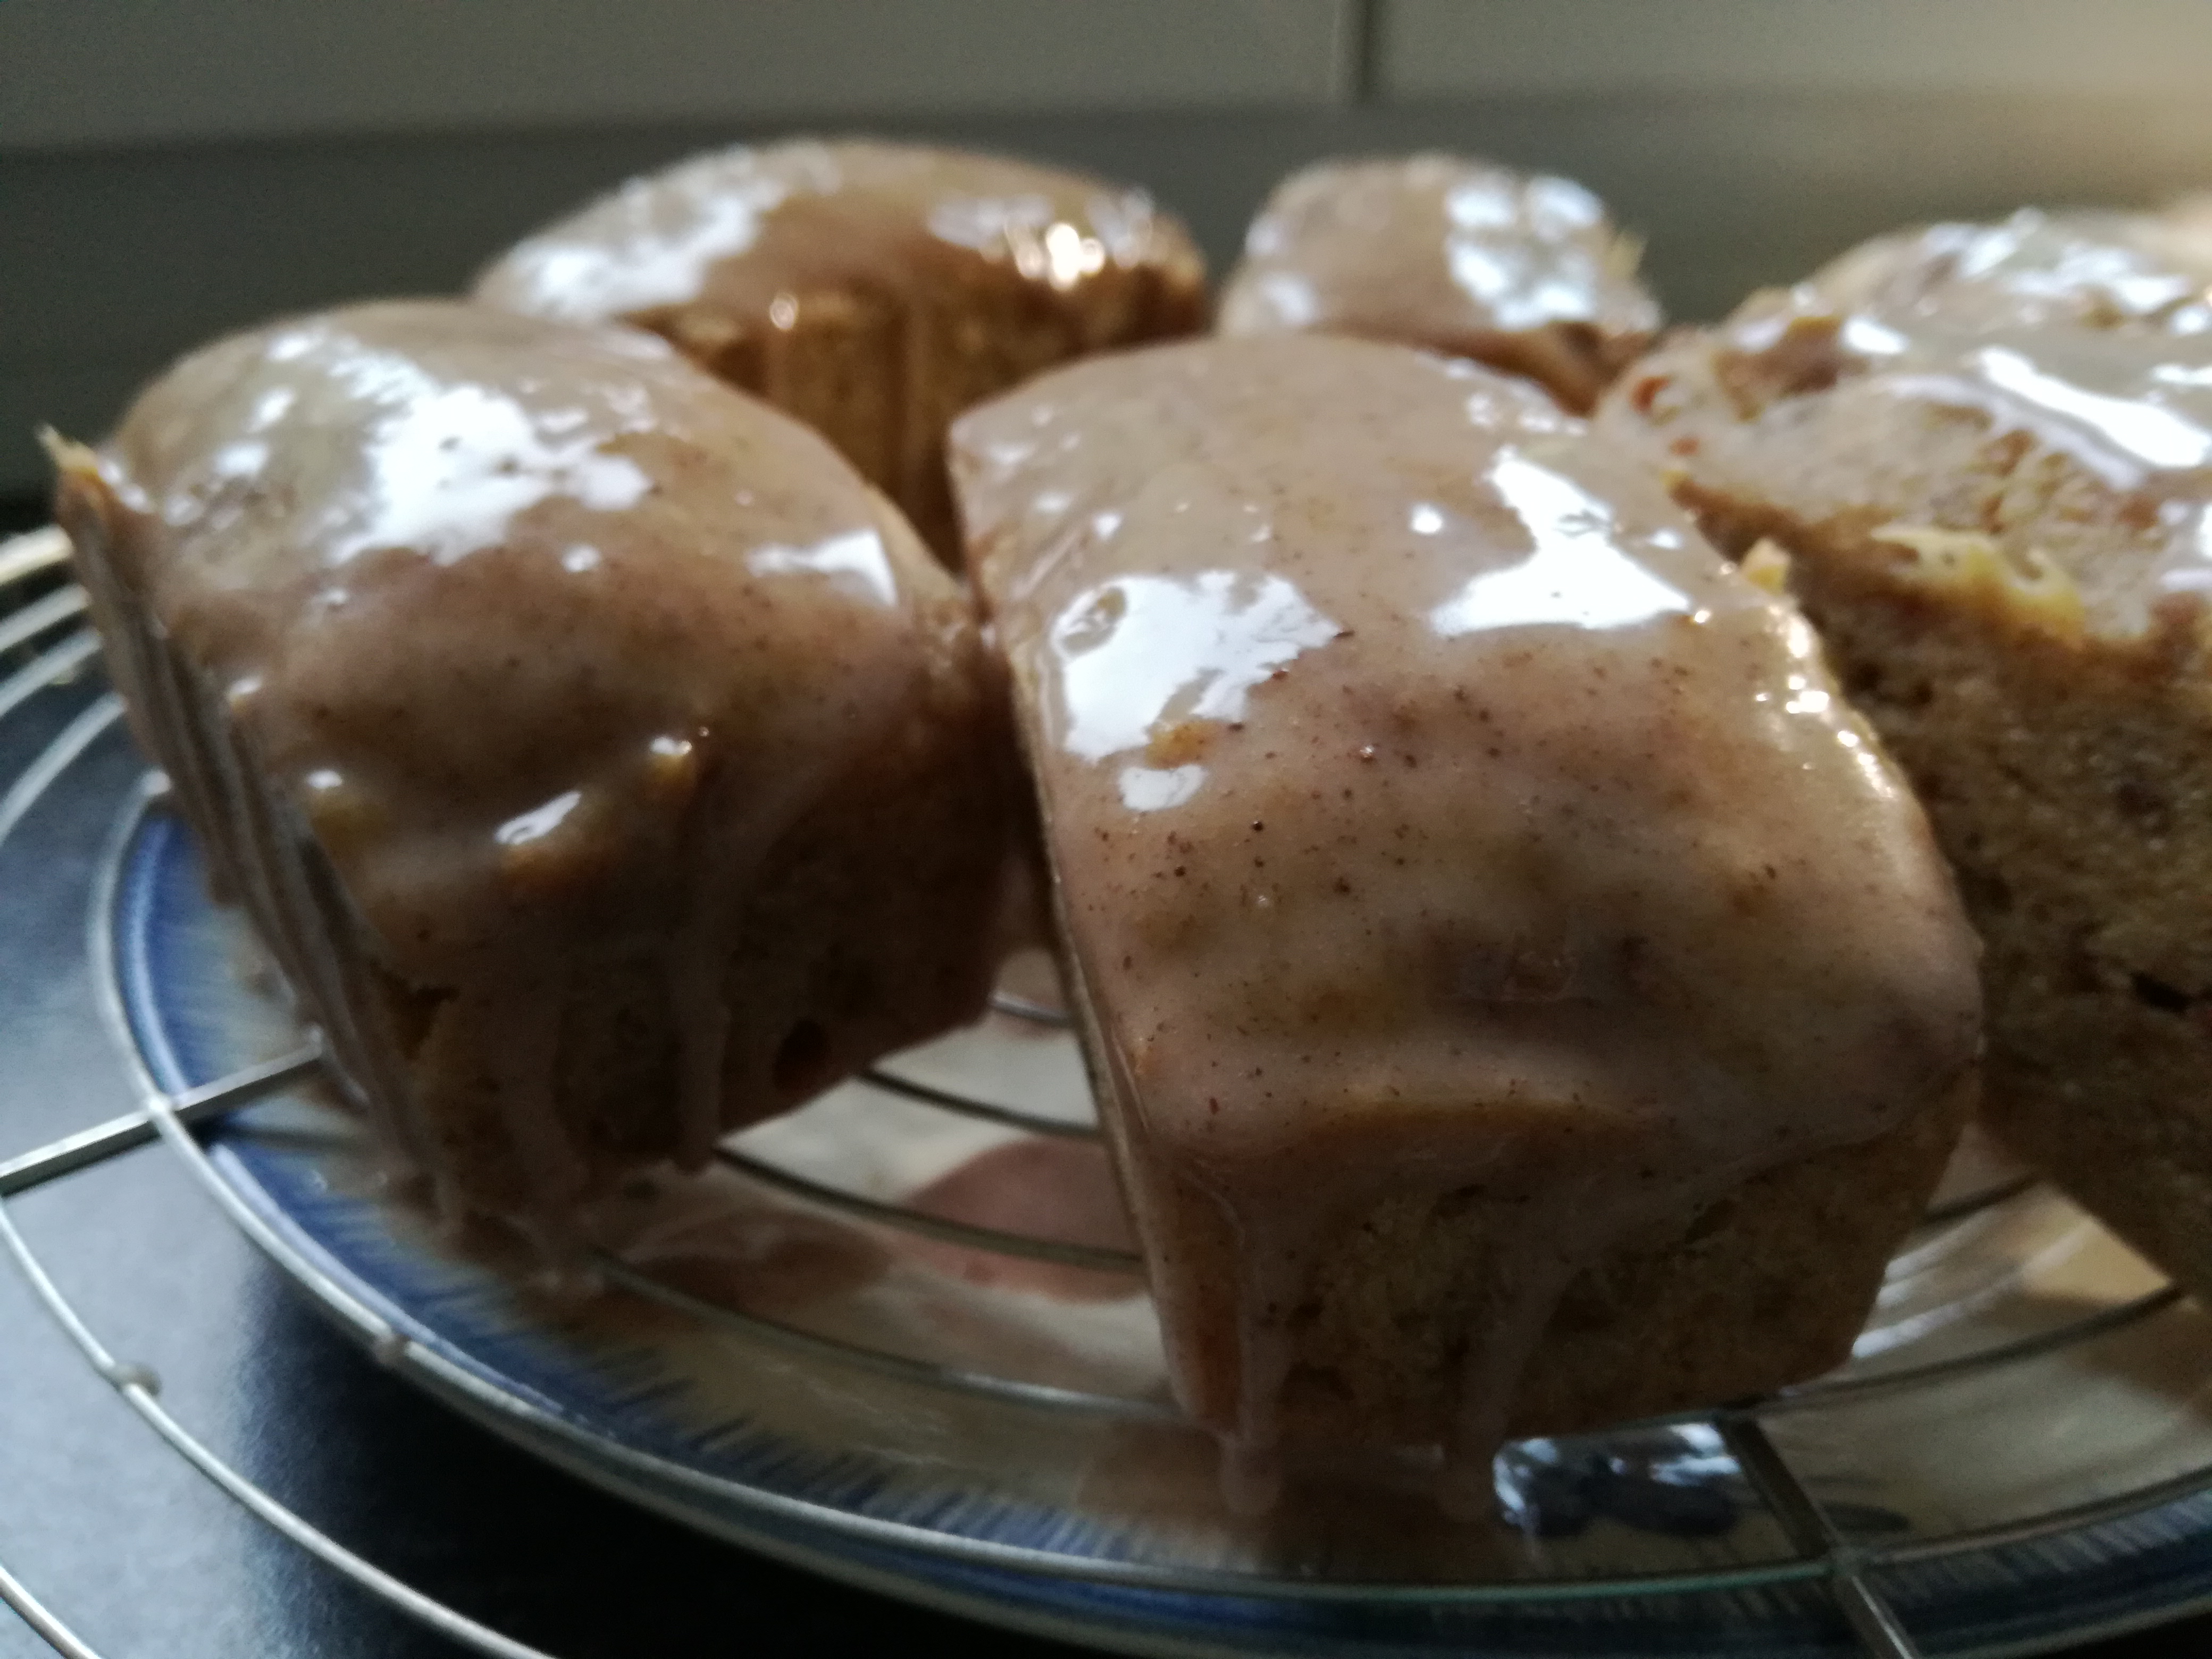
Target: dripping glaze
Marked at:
1431, 806
547, 637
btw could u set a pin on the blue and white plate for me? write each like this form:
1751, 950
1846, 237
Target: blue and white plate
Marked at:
851, 1345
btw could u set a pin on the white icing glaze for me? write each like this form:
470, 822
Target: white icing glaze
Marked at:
537, 642
1476, 828
871, 289
1448, 253
747, 226
2088, 333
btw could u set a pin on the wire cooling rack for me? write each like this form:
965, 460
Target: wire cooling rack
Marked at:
44, 639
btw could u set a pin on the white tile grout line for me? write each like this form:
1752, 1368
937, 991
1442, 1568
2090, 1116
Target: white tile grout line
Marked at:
1355, 45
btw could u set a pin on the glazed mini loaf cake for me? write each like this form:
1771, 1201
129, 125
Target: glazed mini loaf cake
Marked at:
2088, 269
1521, 993
874, 290
606, 765
1986, 454
1522, 271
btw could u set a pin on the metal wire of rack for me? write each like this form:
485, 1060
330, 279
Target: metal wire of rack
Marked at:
45, 640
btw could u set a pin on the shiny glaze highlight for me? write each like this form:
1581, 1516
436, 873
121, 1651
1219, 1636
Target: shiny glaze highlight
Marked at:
745, 227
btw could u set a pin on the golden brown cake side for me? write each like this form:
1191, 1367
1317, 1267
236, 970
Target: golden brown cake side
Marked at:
1765, 1286
606, 765
1522, 271
1996, 512
874, 290
1469, 884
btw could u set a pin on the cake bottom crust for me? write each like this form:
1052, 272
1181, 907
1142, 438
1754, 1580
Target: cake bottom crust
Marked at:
1765, 1286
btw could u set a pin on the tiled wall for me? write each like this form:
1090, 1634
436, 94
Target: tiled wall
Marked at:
78, 72
170, 168
1455, 48
103, 71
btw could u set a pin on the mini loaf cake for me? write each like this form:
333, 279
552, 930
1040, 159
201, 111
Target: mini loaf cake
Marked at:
606, 764
874, 290
2092, 269
1518, 270
1521, 995
1983, 456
